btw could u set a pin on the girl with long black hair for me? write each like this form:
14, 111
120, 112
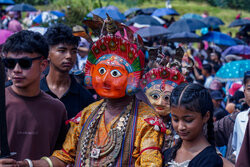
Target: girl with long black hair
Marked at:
191, 110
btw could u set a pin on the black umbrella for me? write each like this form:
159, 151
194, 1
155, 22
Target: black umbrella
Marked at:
213, 21
5, 152
143, 19
152, 31
245, 28
239, 22
7, 2
184, 37
23, 7
186, 25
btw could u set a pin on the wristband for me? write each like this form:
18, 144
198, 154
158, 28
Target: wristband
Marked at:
48, 160
29, 162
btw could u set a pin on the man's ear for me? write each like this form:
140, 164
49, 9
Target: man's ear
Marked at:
43, 65
206, 117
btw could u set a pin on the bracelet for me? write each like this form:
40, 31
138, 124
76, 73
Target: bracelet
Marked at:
48, 160
29, 162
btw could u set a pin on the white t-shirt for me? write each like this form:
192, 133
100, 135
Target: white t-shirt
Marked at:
239, 131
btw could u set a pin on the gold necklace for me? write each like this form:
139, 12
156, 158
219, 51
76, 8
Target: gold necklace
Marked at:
110, 150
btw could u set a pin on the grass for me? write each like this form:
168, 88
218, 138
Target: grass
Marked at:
182, 6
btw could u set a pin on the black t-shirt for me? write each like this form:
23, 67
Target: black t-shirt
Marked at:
206, 158
75, 99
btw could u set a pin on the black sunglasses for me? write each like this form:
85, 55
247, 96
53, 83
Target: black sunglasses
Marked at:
24, 63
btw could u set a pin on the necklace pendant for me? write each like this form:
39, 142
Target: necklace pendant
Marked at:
95, 153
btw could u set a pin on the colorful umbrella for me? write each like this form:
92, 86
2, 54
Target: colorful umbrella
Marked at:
41, 30
164, 11
47, 16
219, 38
233, 71
237, 50
4, 35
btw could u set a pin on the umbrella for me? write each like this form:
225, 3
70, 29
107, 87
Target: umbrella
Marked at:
143, 19
239, 42
152, 31
186, 25
41, 30
146, 11
164, 11
213, 21
111, 7
23, 7
184, 37
233, 71
219, 38
245, 28
8, 8
239, 22
4, 35
191, 16
237, 50
115, 14
131, 11
46, 17
7, 2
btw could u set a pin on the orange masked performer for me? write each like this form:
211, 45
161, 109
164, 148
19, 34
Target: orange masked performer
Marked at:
113, 131
158, 84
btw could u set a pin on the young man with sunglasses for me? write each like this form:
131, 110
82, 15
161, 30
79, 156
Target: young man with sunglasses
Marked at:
59, 83
35, 120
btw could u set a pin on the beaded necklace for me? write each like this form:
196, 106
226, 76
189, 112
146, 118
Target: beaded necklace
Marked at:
109, 151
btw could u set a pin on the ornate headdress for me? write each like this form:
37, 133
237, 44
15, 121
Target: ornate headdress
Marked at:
117, 49
162, 76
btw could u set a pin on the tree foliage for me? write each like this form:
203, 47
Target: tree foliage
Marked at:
234, 4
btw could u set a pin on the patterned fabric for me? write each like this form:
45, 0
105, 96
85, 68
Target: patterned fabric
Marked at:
176, 164
146, 138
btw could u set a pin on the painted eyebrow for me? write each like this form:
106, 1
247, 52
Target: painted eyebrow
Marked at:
155, 91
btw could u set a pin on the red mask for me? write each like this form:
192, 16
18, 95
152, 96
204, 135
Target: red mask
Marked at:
109, 78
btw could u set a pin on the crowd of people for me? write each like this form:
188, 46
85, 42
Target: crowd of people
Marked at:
114, 102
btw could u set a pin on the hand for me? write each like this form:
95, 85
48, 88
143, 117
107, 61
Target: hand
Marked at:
7, 162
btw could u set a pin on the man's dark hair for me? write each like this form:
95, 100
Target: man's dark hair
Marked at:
208, 68
246, 77
26, 42
60, 33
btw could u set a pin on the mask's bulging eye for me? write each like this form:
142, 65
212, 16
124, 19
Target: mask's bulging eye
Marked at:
115, 73
155, 96
102, 70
